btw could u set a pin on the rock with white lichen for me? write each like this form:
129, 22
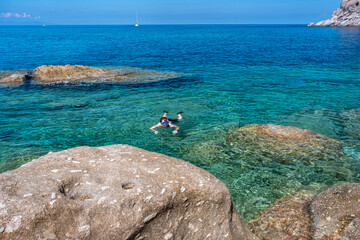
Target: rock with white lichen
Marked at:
115, 192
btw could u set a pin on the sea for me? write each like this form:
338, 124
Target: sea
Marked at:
221, 77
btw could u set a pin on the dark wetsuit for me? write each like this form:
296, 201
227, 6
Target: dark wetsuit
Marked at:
173, 120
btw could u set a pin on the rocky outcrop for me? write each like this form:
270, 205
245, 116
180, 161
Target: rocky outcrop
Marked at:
287, 218
115, 192
284, 143
336, 213
348, 15
14, 78
68, 74
52, 73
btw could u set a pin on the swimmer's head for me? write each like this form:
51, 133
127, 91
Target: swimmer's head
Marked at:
164, 122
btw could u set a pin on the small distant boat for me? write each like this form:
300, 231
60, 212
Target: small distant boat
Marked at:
137, 20
44, 25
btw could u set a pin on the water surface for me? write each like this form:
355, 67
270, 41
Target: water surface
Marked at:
229, 76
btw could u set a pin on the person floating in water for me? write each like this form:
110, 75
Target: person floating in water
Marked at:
165, 122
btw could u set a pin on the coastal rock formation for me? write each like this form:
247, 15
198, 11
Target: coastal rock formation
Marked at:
284, 143
115, 192
336, 213
348, 15
14, 78
287, 218
52, 73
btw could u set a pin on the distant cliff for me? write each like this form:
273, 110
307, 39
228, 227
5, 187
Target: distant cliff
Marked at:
348, 15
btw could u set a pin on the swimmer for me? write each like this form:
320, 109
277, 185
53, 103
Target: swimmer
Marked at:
165, 122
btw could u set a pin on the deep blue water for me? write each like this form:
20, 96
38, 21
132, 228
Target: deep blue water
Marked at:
226, 76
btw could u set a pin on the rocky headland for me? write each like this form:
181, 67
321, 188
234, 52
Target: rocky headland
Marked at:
348, 15
115, 192
50, 74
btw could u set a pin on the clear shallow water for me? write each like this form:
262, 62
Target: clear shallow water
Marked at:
230, 75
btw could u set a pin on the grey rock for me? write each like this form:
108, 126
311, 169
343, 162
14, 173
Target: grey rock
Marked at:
115, 192
348, 15
336, 213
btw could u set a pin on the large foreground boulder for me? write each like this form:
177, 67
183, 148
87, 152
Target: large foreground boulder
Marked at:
54, 73
348, 15
115, 192
284, 143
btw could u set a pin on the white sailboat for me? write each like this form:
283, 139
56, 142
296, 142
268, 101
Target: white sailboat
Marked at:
137, 20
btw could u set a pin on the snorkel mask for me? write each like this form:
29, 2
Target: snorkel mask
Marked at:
165, 123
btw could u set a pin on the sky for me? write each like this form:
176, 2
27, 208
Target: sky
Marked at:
93, 12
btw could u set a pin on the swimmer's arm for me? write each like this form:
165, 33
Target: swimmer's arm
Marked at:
153, 128
176, 128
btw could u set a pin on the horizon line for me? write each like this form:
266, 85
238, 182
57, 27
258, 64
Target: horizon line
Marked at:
148, 24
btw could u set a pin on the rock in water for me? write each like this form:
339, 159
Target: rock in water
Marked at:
52, 73
287, 218
352, 122
336, 213
115, 192
14, 78
348, 15
284, 143
322, 121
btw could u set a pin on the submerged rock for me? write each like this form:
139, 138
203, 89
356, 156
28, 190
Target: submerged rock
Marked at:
351, 120
336, 213
284, 143
348, 15
287, 218
115, 192
14, 78
322, 121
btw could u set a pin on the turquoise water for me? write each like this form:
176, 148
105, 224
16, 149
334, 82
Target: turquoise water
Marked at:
222, 77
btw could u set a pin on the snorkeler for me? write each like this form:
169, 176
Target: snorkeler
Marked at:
165, 122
